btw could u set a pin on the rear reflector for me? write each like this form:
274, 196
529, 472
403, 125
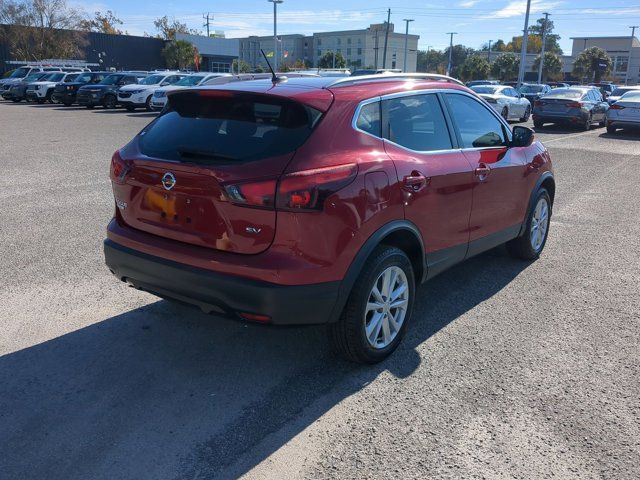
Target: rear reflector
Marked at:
616, 107
253, 317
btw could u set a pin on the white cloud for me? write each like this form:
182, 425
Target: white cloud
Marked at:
518, 8
469, 3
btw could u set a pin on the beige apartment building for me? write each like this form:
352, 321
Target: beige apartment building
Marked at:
624, 51
360, 48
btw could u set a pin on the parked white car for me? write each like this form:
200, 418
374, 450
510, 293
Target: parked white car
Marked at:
159, 99
625, 113
139, 95
42, 90
618, 92
505, 100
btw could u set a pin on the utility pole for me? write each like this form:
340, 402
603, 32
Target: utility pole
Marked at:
386, 40
489, 52
427, 62
633, 34
275, 33
335, 49
544, 41
406, 43
207, 21
376, 48
451, 34
525, 40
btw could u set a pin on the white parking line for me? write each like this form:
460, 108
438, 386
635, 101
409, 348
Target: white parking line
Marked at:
564, 137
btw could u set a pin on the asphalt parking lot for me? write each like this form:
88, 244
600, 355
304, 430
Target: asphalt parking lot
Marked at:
510, 369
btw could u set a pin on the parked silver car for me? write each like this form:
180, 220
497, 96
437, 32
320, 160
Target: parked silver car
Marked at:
506, 100
625, 113
618, 92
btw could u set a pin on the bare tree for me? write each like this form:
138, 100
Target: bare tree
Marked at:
39, 29
103, 23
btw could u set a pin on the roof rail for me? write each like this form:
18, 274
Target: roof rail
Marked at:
385, 77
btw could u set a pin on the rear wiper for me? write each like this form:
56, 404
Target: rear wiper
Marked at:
203, 155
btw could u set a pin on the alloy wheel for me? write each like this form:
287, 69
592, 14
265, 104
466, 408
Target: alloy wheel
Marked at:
539, 224
386, 307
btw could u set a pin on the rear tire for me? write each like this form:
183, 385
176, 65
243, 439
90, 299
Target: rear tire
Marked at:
527, 114
611, 130
538, 124
369, 335
530, 244
602, 123
586, 126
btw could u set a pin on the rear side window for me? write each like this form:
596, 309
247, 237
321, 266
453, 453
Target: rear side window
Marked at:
369, 119
477, 126
227, 128
416, 122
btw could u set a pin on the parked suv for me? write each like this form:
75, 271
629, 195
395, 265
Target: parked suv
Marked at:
318, 200
66, 93
16, 91
42, 90
20, 73
139, 95
105, 93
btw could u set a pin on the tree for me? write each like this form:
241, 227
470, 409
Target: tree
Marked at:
505, 66
592, 64
429, 61
552, 42
167, 29
240, 66
551, 68
475, 67
497, 46
41, 29
459, 55
179, 54
103, 23
326, 61
534, 44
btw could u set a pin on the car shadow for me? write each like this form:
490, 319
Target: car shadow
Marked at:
623, 135
164, 388
559, 129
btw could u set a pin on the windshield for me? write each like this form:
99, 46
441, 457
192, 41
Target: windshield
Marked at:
20, 72
33, 77
485, 89
153, 80
55, 77
531, 88
84, 78
561, 93
631, 95
71, 77
190, 81
227, 128
111, 80
618, 92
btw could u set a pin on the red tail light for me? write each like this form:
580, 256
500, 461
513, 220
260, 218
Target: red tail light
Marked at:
253, 194
299, 191
119, 167
307, 190
574, 105
615, 106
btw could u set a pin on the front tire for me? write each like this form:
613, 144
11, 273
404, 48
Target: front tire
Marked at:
530, 244
538, 124
378, 310
611, 130
109, 102
147, 104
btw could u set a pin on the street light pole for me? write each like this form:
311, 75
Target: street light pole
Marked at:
427, 62
525, 40
633, 34
275, 32
489, 52
406, 43
544, 41
386, 40
451, 34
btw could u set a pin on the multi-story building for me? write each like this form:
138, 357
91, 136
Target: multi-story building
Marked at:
217, 53
624, 51
360, 48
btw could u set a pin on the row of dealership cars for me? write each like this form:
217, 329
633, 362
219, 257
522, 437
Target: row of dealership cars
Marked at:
580, 106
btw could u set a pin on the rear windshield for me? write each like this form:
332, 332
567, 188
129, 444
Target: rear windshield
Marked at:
621, 91
153, 80
484, 89
190, 80
564, 93
633, 94
227, 128
531, 88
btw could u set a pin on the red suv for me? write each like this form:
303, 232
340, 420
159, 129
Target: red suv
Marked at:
320, 200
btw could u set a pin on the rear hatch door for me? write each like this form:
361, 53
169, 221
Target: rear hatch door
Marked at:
185, 171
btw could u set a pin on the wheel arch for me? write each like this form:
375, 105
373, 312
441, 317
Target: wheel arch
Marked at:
546, 181
401, 234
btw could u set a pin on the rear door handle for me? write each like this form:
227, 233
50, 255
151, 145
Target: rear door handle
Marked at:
415, 182
482, 171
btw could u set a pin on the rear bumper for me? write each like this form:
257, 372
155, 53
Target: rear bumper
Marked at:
222, 293
613, 122
88, 99
551, 118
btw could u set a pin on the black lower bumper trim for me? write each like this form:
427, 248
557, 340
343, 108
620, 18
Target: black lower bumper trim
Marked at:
219, 293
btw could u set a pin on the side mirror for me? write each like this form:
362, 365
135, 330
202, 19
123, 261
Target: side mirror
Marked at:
164, 84
522, 136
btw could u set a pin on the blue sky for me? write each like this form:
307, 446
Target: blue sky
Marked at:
476, 21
